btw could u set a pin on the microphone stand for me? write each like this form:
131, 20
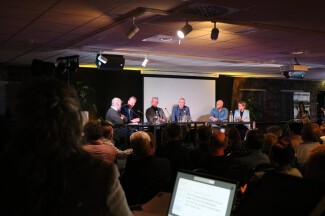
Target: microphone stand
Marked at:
168, 114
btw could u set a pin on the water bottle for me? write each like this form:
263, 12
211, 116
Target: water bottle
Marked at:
156, 118
184, 117
231, 117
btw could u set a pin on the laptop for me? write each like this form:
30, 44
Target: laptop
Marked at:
201, 194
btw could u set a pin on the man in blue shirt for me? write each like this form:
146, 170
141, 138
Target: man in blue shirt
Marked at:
180, 111
219, 113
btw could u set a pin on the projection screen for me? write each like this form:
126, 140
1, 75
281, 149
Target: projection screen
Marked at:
199, 95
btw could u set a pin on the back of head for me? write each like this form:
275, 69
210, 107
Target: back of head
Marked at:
274, 129
204, 133
173, 131
282, 152
48, 118
315, 167
141, 144
233, 137
93, 131
107, 131
270, 139
217, 141
296, 128
255, 139
310, 132
152, 139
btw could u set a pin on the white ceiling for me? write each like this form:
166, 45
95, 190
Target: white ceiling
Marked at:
255, 39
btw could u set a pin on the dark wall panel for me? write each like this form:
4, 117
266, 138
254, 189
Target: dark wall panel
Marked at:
224, 85
109, 84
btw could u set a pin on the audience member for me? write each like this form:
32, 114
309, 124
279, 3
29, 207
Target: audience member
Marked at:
282, 158
219, 113
218, 163
45, 170
322, 133
295, 129
108, 139
234, 143
174, 151
127, 110
270, 139
310, 137
274, 129
254, 156
94, 145
145, 175
315, 167
203, 138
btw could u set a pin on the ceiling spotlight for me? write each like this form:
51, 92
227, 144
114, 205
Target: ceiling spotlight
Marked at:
145, 61
133, 30
185, 30
102, 59
214, 32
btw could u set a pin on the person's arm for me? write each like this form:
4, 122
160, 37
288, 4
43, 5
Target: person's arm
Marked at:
173, 117
236, 115
188, 112
116, 203
149, 115
213, 116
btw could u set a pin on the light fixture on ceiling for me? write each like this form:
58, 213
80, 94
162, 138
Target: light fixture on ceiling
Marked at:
101, 58
214, 32
184, 31
145, 61
67, 64
133, 30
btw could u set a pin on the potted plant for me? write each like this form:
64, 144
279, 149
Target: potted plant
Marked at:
83, 92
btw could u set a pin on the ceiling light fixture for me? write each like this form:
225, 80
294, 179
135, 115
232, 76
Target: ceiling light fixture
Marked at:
184, 31
133, 30
101, 58
145, 61
214, 32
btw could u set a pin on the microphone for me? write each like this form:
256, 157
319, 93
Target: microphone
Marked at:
136, 115
170, 117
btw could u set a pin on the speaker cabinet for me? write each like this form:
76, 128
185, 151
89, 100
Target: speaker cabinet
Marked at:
113, 62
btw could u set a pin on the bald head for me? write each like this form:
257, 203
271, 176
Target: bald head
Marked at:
181, 103
219, 104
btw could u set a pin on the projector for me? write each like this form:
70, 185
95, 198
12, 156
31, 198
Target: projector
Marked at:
294, 71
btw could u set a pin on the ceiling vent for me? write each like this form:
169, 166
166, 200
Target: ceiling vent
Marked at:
204, 10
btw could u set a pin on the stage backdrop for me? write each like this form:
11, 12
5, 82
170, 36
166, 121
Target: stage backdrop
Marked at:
199, 95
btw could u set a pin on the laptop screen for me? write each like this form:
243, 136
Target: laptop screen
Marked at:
198, 194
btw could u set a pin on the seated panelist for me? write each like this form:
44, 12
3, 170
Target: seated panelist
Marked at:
155, 113
242, 114
180, 112
219, 113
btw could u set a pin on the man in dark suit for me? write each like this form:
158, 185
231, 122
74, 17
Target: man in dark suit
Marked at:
113, 115
127, 110
155, 113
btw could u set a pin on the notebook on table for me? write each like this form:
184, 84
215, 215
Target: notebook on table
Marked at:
203, 195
